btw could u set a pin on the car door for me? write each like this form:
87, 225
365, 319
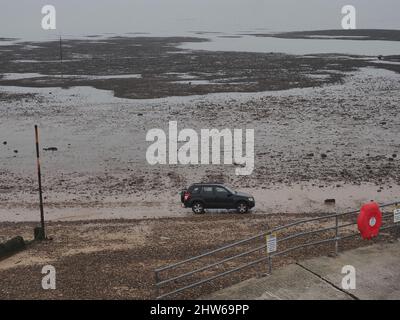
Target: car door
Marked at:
208, 196
224, 198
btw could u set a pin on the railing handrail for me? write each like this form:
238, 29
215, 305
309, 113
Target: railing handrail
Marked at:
263, 234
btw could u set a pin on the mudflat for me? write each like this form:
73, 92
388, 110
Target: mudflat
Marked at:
327, 126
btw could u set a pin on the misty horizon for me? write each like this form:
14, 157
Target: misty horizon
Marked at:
22, 19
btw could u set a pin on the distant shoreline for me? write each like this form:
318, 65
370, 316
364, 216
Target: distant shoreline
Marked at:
337, 34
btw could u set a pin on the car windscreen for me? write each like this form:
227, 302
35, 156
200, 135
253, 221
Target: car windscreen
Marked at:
230, 190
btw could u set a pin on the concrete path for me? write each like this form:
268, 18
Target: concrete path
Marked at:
377, 277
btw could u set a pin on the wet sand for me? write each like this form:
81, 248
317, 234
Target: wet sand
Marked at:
277, 199
311, 144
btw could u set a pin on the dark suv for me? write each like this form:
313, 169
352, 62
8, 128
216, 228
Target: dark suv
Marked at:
202, 196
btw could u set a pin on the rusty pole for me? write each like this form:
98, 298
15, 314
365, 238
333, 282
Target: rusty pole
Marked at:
43, 233
61, 58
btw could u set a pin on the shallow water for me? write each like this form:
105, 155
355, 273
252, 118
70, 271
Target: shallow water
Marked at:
19, 76
298, 46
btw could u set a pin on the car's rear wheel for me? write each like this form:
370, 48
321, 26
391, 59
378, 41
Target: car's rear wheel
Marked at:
242, 207
198, 207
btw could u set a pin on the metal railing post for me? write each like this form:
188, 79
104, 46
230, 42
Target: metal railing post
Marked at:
269, 264
337, 235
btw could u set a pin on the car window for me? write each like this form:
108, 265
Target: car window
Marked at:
207, 190
221, 191
196, 190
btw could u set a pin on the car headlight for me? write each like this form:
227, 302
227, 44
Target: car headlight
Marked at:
251, 199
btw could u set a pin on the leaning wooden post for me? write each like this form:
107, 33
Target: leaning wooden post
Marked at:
39, 234
61, 58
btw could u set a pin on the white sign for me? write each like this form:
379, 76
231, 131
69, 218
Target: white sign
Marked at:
272, 243
396, 214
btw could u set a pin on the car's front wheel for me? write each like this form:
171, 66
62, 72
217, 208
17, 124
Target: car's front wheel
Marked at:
198, 207
242, 207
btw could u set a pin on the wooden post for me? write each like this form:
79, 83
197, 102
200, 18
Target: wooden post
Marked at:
61, 58
41, 236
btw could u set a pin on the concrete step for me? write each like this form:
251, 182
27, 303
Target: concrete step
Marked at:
377, 277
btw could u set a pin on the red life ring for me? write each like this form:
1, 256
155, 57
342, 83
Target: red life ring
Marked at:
369, 220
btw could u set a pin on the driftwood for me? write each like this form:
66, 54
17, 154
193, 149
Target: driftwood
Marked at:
14, 245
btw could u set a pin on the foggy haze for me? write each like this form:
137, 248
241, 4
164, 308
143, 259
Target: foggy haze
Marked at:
22, 18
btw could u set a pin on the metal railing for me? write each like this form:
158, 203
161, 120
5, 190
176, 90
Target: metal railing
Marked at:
173, 280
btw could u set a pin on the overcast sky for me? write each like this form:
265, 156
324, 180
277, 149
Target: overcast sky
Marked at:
22, 18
